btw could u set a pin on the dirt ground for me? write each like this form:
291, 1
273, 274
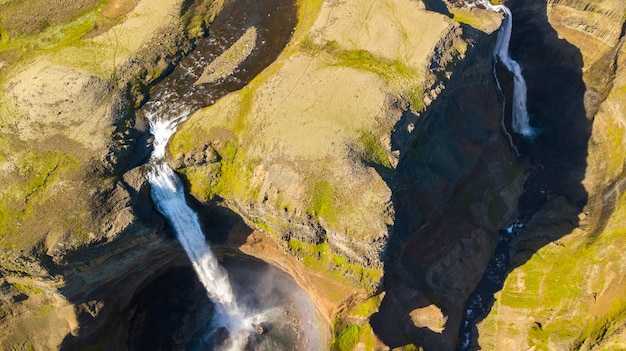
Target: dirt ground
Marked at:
19, 18
35, 16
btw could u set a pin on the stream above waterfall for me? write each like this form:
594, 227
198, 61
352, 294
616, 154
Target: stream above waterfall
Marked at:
260, 314
273, 23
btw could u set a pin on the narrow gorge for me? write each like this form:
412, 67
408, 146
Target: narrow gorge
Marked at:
312, 175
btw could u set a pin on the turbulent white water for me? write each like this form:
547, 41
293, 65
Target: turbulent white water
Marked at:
520, 120
168, 195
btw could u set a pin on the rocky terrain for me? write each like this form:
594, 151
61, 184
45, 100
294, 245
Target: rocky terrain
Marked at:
370, 160
564, 291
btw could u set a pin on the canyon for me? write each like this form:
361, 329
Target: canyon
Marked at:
359, 155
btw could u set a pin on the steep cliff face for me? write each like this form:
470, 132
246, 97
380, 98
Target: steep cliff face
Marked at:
308, 153
457, 185
565, 290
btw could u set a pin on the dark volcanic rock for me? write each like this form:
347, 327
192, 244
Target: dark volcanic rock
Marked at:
455, 188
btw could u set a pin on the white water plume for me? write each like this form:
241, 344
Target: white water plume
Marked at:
169, 197
520, 120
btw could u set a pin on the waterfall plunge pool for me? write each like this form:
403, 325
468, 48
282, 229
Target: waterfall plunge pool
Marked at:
173, 312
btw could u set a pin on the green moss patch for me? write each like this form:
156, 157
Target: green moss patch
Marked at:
229, 178
367, 307
34, 195
466, 17
29, 289
34, 175
372, 150
572, 290
364, 60
353, 328
347, 339
197, 19
308, 11
615, 138
54, 36
323, 203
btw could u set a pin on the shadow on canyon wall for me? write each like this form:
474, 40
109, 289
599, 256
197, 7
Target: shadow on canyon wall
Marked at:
460, 183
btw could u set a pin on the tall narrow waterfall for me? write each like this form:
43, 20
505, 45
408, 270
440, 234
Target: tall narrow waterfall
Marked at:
169, 197
520, 120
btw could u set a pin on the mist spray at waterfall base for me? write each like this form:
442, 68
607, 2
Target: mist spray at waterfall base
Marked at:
168, 195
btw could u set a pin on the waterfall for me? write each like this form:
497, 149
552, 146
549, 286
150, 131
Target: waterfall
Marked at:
520, 120
169, 197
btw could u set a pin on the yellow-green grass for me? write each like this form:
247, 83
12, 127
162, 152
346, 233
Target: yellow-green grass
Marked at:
320, 258
570, 304
396, 73
55, 36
